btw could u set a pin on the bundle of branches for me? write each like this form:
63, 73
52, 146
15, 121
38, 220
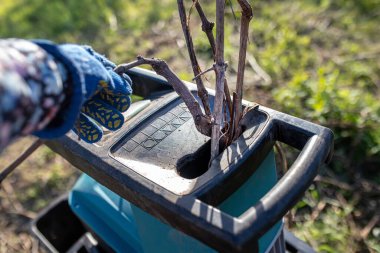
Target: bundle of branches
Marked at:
222, 129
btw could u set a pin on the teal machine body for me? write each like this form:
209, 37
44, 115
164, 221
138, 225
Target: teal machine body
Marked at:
127, 228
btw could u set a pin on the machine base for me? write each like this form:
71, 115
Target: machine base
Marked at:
48, 228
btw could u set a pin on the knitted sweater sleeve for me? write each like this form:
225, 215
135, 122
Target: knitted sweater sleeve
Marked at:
32, 89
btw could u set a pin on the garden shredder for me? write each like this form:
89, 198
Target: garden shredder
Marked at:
149, 186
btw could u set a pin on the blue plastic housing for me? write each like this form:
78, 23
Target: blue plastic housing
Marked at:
127, 228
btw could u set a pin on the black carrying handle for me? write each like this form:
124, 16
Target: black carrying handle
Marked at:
230, 234
316, 145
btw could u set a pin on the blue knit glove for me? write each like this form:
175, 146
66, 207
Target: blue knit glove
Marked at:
99, 95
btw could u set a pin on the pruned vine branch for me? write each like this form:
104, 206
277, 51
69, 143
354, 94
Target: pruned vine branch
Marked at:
244, 25
202, 122
207, 28
202, 92
220, 69
223, 127
10, 168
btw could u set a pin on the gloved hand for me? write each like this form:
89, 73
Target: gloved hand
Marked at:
98, 94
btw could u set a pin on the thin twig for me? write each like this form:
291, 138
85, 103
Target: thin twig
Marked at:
15, 203
335, 182
202, 92
348, 217
25, 243
228, 99
371, 224
244, 25
317, 210
202, 121
11, 196
259, 70
204, 72
189, 15
8, 170
220, 76
290, 218
35, 245
226, 126
207, 26
281, 152
232, 9
232, 126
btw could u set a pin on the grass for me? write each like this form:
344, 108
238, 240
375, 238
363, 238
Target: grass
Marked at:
323, 60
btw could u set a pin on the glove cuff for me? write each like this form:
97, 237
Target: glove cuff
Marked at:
106, 63
69, 112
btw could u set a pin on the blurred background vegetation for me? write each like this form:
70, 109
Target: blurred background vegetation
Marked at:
316, 59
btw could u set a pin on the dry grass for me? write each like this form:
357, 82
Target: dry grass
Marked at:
41, 178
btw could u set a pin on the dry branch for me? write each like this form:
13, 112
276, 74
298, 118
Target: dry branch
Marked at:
10, 168
232, 115
207, 28
259, 70
204, 72
244, 25
202, 92
228, 98
371, 224
220, 76
210, 124
282, 156
202, 122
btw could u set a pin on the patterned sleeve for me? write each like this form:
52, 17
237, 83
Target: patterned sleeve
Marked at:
32, 88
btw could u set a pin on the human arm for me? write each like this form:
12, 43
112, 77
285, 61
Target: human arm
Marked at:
43, 88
